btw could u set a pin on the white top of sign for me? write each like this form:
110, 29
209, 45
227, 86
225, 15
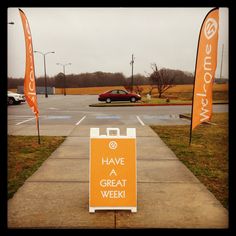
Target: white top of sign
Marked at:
130, 133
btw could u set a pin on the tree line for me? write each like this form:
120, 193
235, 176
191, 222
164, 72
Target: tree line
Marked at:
100, 79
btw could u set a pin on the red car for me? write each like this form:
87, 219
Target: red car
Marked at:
118, 95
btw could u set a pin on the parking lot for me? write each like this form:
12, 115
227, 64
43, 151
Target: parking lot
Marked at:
73, 110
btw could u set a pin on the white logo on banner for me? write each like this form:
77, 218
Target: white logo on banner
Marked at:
210, 28
113, 145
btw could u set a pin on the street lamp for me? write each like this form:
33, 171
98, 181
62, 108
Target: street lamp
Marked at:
64, 65
45, 79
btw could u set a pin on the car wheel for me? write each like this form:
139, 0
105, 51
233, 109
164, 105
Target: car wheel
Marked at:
11, 101
133, 99
108, 100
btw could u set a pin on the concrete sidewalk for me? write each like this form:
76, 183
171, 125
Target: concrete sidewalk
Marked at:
169, 195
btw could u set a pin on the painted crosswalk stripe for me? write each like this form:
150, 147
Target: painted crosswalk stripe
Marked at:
80, 120
141, 122
25, 121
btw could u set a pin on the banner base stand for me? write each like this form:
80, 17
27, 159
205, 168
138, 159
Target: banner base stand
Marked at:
93, 209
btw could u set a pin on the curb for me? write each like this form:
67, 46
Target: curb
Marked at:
138, 105
151, 104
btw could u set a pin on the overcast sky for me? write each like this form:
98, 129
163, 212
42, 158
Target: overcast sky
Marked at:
104, 39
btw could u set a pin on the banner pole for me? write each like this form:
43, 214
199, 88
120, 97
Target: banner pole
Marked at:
38, 130
190, 133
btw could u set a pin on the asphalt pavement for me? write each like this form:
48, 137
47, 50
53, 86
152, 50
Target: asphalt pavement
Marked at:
70, 109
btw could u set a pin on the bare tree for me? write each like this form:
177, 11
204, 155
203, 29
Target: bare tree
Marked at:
162, 79
150, 89
139, 79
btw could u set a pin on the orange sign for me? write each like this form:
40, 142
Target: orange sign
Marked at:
112, 171
29, 82
205, 68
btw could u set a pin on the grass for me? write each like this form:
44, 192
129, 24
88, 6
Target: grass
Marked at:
187, 96
163, 101
87, 90
220, 98
25, 156
179, 94
185, 88
207, 157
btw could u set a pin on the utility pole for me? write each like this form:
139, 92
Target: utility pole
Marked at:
132, 78
221, 61
64, 80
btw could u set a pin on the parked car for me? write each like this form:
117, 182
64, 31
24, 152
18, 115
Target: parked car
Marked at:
14, 98
118, 95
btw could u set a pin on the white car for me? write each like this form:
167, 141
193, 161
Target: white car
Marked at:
14, 98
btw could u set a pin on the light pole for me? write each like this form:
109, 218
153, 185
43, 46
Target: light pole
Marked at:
45, 79
64, 65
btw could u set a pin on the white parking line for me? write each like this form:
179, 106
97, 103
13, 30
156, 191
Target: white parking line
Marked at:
141, 122
80, 120
25, 121
20, 116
